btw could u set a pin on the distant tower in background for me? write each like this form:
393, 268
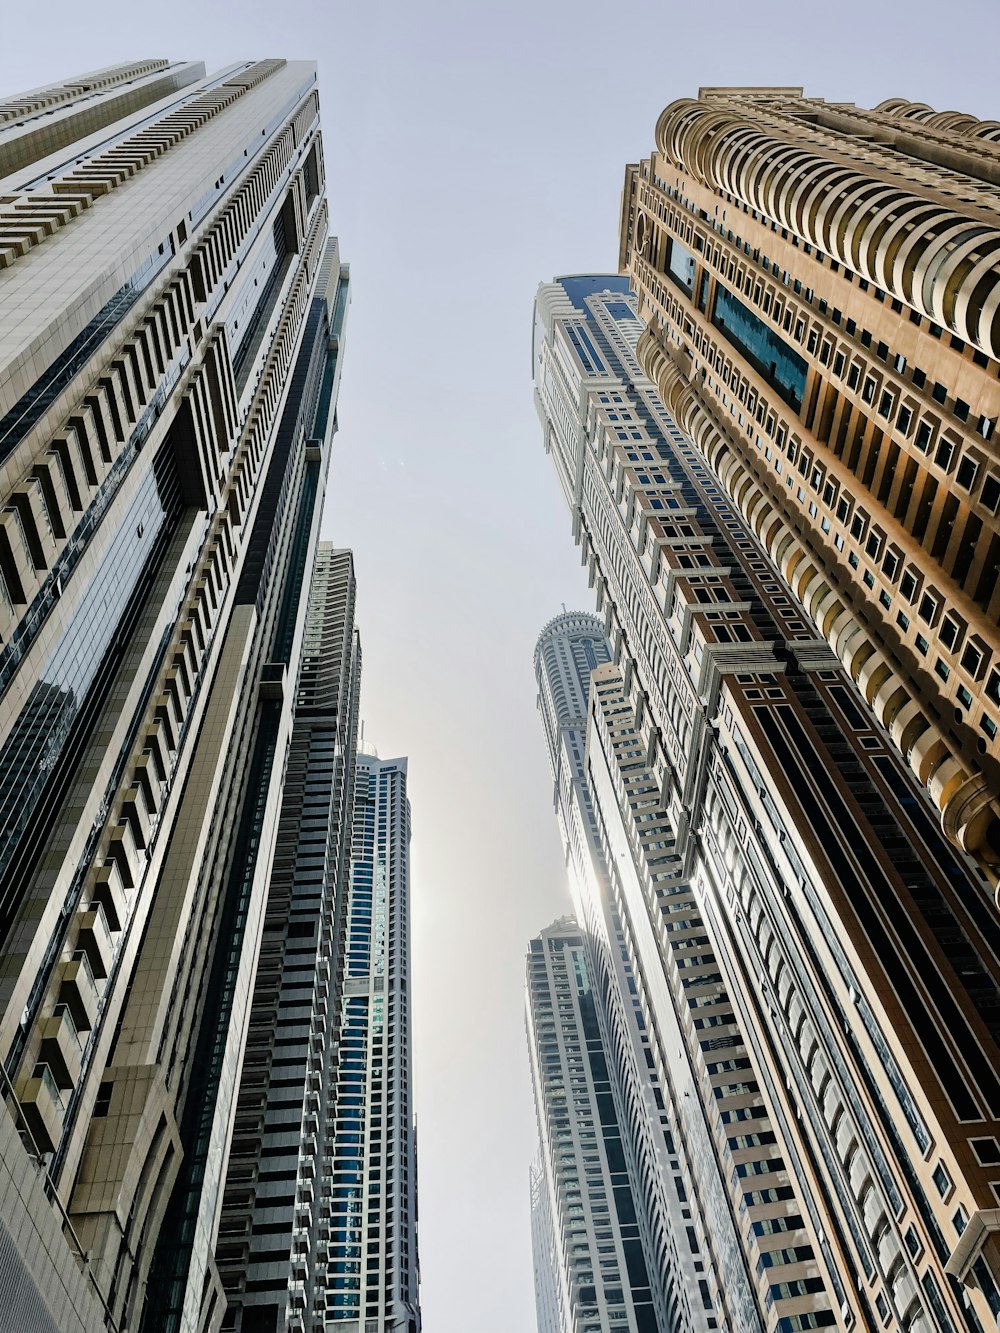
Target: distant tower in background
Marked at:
369, 1185
601, 1271
544, 1253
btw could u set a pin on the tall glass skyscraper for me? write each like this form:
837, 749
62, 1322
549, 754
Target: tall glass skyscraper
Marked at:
273, 1245
367, 1194
171, 314
827, 958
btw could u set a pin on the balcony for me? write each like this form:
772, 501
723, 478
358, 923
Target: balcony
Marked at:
62, 1048
137, 813
42, 1108
95, 941
78, 991
108, 890
124, 852
272, 680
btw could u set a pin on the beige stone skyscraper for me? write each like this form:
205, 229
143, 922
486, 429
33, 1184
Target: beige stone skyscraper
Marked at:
822, 290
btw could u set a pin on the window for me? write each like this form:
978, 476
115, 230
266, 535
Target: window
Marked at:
944, 453
991, 492
942, 1180
908, 585
783, 368
968, 470
952, 630
973, 658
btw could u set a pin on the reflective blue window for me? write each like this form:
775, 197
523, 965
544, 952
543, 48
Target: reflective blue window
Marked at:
680, 266
768, 353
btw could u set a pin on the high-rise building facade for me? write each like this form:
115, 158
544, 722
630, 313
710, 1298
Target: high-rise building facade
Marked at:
679, 1257
822, 290
544, 1255
272, 1248
830, 960
586, 1239
171, 307
367, 1193
688, 1216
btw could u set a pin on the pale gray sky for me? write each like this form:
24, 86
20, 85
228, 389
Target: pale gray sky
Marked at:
474, 149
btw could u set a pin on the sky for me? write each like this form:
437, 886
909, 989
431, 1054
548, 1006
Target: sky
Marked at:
474, 149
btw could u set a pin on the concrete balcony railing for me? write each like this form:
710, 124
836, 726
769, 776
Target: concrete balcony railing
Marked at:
42, 1108
62, 1047
78, 990
108, 890
95, 941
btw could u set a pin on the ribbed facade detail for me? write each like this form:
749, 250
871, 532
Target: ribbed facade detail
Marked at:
848, 199
819, 283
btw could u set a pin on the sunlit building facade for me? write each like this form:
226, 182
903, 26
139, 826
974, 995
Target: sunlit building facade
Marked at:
830, 957
822, 288
684, 1281
171, 309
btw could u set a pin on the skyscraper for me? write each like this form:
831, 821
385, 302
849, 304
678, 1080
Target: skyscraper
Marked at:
367, 1195
830, 960
687, 1210
569, 649
272, 1250
585, 1232
544, 1255
171, 308
821, 286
